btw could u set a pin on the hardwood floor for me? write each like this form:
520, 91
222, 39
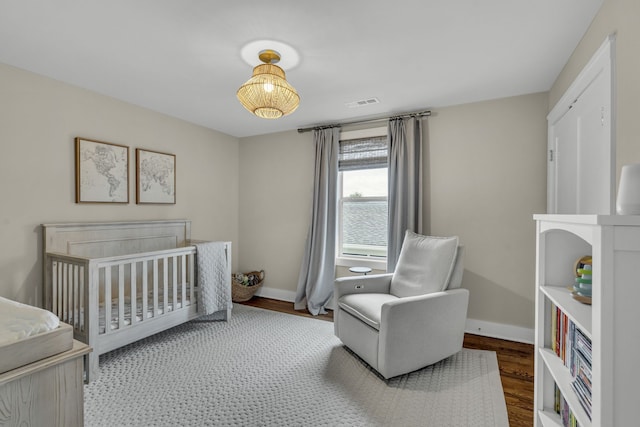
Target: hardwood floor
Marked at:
514, 359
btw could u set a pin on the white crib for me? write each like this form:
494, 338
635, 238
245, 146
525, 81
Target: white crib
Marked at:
118, 282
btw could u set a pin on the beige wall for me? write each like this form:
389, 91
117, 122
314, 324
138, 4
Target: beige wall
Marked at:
620, 17
276, 184
486, 178
39, 119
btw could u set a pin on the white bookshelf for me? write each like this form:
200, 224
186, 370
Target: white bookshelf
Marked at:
611, 322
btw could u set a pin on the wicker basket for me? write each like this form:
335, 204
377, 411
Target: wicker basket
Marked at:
240, 292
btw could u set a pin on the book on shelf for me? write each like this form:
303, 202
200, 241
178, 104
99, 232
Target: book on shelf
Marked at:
566, 415
573, 347
585, 401
564, 331
583, 346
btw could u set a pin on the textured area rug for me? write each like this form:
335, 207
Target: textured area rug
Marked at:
264, 368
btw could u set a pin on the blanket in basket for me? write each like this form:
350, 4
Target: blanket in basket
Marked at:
214, 277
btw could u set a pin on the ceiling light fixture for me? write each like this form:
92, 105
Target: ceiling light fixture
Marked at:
267, 93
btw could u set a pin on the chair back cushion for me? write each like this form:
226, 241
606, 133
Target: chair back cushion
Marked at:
424, 266
458, 269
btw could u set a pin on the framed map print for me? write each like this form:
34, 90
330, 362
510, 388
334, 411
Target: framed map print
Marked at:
102, 172
155, 177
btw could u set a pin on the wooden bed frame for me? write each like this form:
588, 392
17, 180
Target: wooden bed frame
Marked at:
108, 267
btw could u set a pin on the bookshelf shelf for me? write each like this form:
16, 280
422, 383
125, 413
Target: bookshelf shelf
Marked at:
563, 379
610, 323
549, 419
578, 312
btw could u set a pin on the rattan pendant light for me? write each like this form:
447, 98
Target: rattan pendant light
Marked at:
267, 93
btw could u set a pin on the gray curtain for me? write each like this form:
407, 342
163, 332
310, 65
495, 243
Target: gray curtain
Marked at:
405, 183
317, 273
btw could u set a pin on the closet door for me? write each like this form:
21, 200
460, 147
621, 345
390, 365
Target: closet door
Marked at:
564, 161
595, 192
581, 162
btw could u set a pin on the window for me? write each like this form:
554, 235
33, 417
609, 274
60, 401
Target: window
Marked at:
362, 192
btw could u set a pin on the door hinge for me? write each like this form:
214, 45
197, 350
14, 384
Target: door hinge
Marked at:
551, 155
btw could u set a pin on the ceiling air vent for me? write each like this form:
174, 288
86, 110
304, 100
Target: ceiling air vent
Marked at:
362, 103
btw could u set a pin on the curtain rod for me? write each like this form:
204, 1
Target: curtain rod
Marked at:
425, 113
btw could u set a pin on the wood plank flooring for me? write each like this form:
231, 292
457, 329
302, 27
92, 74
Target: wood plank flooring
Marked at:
514, 359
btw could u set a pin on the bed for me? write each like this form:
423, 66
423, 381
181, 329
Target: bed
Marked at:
117, 282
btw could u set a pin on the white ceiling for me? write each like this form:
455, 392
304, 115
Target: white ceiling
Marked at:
183, 57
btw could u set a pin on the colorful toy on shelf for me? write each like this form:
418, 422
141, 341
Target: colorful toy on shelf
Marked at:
582, 287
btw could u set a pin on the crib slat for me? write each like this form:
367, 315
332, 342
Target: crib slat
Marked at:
133, 288
107, 300
60, 288
65, 292
145, 293
191, 279
72, 292
61, 267
155, 286
74, 304
81, 302
70, 296
78, 297
92, 315
165, 283
175, 282
121, 313
69, 315
183, 280
54, 287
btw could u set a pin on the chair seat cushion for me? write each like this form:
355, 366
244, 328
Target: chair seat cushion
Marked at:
366, 307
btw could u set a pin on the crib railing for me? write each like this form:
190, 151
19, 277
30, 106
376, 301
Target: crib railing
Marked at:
122, 290
67, 292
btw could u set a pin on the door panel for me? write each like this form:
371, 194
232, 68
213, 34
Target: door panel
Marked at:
581, 164
593, 151
566, 145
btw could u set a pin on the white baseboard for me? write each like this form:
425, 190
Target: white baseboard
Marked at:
473, 326
279, 294
500, 330
282, 295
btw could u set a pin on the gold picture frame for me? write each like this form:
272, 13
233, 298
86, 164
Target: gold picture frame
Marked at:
102, 172
155, 177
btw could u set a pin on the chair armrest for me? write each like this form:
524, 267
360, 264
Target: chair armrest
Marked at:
376, 283
421, 330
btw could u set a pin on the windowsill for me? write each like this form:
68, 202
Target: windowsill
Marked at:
362, 262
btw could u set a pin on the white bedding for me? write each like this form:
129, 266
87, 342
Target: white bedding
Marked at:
127, 312
18, 321
114, 323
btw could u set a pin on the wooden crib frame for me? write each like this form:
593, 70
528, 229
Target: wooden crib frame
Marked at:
87, 265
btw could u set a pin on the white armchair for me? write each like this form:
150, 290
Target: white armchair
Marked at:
409, 319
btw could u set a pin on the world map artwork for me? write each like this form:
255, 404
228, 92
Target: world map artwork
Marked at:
103, 172
156, 177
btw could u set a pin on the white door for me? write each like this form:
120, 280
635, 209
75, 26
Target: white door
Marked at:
595, 175
564, 160
581, 161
